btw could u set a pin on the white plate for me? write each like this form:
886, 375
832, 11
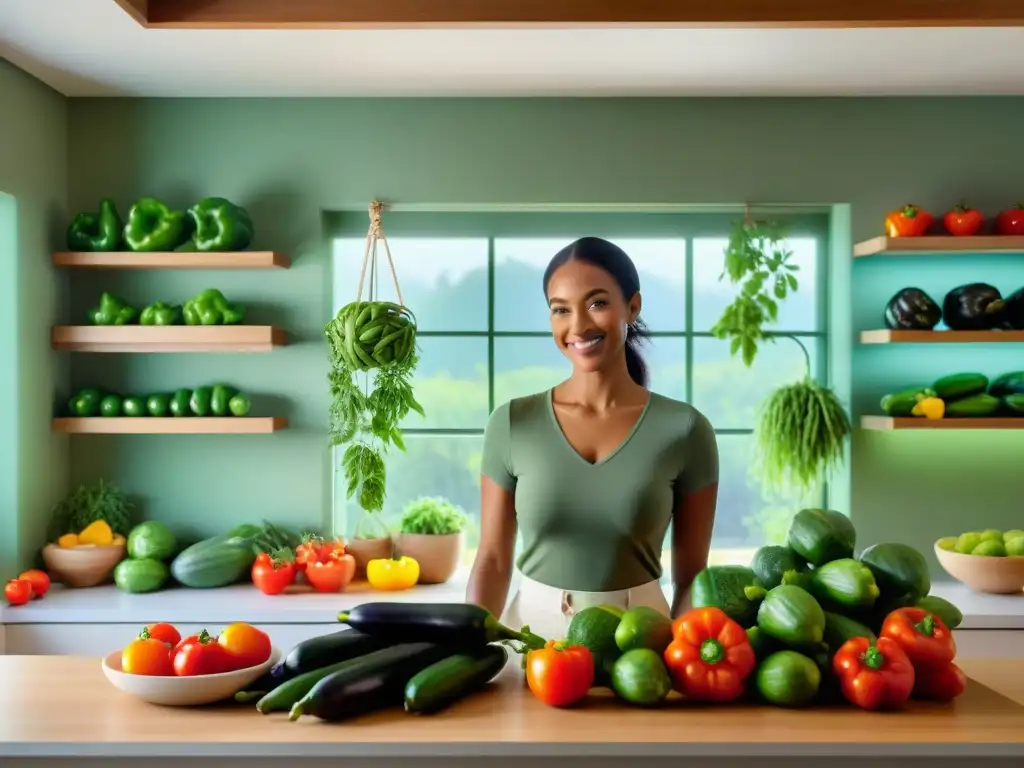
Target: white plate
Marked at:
184, 691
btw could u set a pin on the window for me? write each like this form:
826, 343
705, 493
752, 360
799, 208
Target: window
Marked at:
474, 282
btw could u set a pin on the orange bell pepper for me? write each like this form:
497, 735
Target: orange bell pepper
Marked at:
560, 674
922, 635
874, 675
710, 656
908, 221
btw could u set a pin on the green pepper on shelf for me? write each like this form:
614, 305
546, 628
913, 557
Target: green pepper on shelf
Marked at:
161, 313
199, 403
158, 405
239, 405
111, 406
219, 399
96, 231
112, 311
134, 407
85, 403
180, 403
154, 226
210, 307
220, 225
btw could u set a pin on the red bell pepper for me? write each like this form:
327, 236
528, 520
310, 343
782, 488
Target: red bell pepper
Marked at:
560, 674
908, 221
943, 683
710, 656
922, 635
874, 675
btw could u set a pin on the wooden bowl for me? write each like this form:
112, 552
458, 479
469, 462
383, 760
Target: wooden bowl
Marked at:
84, 565
993, 575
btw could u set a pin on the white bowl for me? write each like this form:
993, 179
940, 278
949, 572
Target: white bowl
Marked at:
184, 691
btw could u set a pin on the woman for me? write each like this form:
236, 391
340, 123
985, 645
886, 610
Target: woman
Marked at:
594, 470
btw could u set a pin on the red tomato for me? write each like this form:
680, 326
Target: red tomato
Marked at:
202, 656
18, 591
38, 579
272, 575
248, 645
164, 632
963, 221
331, 575
1011, 221
146, 656
308, 551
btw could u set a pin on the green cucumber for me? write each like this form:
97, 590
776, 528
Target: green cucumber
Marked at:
643, 627
901, 572
976, 406
791, 615
839, 629
1011, 383
959, 385
945, 610
442, 684
788, 679
214, 563
1014, 403
902, 403
772, 561
640, 677
733, 588
822, 535
845, 583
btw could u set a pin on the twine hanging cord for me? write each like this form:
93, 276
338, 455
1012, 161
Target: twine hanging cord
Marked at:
374, 235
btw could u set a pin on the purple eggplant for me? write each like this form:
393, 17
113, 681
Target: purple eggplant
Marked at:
973, 307
911, 309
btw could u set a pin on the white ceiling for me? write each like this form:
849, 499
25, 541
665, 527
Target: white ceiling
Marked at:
92, 48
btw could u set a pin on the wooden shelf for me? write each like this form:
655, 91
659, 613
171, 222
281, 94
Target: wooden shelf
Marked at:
885, 336
173, 260
914, 422
185, 425
167, 338
939, 244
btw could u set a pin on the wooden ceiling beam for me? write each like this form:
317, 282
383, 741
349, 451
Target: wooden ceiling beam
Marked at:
410, 14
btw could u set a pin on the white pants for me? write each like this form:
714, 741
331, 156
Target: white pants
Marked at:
548, 610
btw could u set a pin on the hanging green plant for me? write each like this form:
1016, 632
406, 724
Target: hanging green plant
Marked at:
757, 260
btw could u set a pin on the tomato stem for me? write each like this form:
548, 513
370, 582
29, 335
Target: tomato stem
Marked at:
873, 658
711, 651
144, 634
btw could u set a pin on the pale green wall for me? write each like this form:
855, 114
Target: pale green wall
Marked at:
289, 159
33, 180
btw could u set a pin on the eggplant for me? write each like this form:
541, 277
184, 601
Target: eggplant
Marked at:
1013, 312
973, 307
911, 309
322, 651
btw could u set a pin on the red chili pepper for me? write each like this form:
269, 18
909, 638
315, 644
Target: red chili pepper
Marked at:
710, 656
874, 675
908, 221
922, 635
560, 674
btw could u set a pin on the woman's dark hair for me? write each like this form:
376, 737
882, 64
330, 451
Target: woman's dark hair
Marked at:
614, 261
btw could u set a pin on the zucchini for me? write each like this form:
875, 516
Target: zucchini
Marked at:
791, 615
374, 682
442, 684
945, 610
322, 651
287, 694
1014, 403
214, 562
973, 407
733, 588
901, 572
1011, 383
845, 583
462, 625
902, 403
822, 535
959, 385
839, 629
771, 562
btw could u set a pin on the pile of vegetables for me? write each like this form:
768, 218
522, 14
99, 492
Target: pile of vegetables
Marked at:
961, 220
968, 395
213, 224
208, 307
968, 307
204, 401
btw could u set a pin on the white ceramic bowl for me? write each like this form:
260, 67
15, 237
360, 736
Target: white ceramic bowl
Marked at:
184, 691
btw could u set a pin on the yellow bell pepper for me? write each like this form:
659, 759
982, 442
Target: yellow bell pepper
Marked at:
68, 541
930, 408
97, 533
392, 574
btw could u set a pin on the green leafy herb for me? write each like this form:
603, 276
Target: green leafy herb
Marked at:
757, 260
89, 503
434, 516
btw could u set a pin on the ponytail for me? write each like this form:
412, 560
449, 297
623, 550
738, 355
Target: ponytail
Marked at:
636, 335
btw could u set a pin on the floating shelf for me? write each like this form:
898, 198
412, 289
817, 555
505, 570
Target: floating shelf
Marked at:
886, 336
914, 422
167, 338
939, 244
172, 260
185, 425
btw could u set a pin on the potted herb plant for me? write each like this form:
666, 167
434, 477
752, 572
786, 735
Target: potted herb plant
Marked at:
432, 532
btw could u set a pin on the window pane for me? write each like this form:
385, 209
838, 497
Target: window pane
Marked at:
451, 384
728, 392
799, 312
443, 280
519, 303
430, 466
523, 366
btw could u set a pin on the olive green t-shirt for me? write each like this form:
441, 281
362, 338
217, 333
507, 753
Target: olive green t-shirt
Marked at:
597, 527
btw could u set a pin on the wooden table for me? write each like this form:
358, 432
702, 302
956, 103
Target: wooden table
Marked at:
54, 706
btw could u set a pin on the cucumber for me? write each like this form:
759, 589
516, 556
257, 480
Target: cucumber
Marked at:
791, 615
788, 679
640, 677
370, 683
839, 629
733, 588
1014, 403
322, 651
822, 535
1011, 383
902, 403
844, 583
214, 562
901, 572
286, 695
145, 574
442, 684
959, 385
643, 627
973, 407
945, 610
772, 561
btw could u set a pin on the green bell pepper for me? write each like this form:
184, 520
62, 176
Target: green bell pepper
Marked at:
239, 405
179, 405
199, 403
220, 225
219, 399
111, 406
85, 403
158, 405
134, 407
160, 313
209, 307
112, 311
154, 226
95, 232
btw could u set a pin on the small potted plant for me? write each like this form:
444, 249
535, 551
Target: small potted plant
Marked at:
432, 532
365, 545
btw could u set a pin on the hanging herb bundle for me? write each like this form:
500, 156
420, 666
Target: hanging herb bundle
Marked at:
374, 341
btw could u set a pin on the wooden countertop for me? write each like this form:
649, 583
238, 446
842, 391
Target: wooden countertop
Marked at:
53, 706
